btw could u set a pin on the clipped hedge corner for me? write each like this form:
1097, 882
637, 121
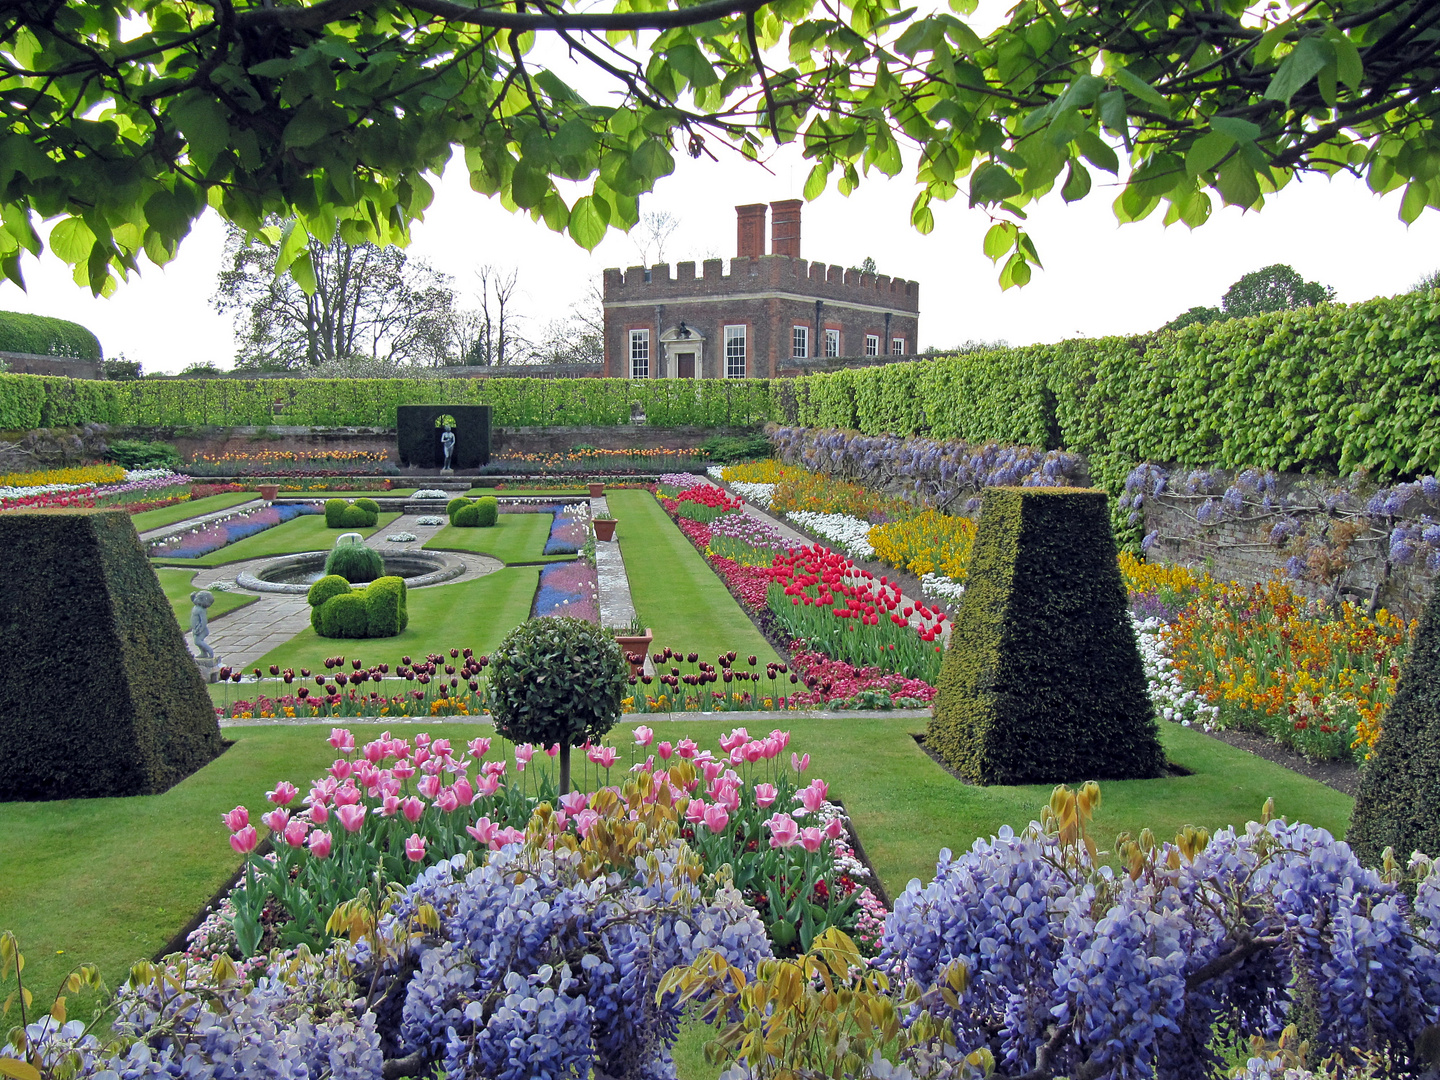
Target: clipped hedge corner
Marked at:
344, 616
1042, 681
82, 604
1398, 805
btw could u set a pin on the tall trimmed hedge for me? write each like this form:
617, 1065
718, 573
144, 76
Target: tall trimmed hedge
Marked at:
99, 695
1042, 681
41, 335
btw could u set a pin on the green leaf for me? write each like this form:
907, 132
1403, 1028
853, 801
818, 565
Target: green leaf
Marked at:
1349, 68
1141, 89
1297, 69
72, 240
529, 185
306, 129
588, 220
1015, 273
1112, 113
1242, 131
17, 1069
1077, 182
1265, 47
204, 123
303, 271
815, 182
992, 183
690, 62
999, 239
1417, 195
921, 216
651, 160
272, 69
1207, 152
1237, 184
1097, 151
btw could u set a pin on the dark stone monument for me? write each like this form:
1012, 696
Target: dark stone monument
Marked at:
420, 430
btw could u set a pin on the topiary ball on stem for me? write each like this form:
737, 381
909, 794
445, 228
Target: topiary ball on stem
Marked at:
356, 563
557, 680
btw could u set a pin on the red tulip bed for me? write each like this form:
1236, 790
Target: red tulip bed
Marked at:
395, 806
854, 642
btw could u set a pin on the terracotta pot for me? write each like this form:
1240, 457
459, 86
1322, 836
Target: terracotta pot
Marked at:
269, 491
639, 645
605, 530
596, 490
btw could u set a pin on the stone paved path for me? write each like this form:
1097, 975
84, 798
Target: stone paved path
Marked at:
190, 523
616, 606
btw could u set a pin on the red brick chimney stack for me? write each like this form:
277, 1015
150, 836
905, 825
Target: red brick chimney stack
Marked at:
750, 227
785, 228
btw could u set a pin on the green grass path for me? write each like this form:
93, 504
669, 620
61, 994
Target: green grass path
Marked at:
514, 538
169, 515
470, 615
176, 583
308, 533
675, 593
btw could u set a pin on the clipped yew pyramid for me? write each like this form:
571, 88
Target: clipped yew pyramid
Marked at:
98, 693
1042, 681
1398, 805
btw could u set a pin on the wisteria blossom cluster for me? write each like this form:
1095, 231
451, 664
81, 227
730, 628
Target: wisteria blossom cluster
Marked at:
1167, 691
1074, 969
849, 534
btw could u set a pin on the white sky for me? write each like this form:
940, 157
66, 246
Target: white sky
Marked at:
1098, 277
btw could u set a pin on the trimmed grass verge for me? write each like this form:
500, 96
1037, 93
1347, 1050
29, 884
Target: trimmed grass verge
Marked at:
308, 533
675, 592
514, 538
169, 515
176, 583
470, 615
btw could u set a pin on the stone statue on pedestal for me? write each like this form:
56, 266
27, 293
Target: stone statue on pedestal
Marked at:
200, 622
447, 443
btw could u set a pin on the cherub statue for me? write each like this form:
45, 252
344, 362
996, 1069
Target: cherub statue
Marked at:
200, 622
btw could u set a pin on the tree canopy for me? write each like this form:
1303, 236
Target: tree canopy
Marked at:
1272, 288
124, 119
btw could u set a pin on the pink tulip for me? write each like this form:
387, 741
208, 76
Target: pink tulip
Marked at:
295, 833
834, 829
368, 776
553, 749
716, 818
390, 806
765, 795
494, 768
798, 763
585, 821
811, 839
479, 747
753, 751
276, 820
319, 844
440, 747
574, 802
447, 801
374, 752
429, 786
351, 817
283, 794
727, 795
464, 792
644, 736
738, 737
236, 819
665, 750
341, 769
389, 785
403, 770
523, 754
412, 808
644, 766
244, 840
772, 747
486, 785
423, 739
784, 832
341, 739
415, 847
348, 795
511, 836
783, 737
483, 832
432, 766
318, 813
712, 769
686, 748
813, 797
397, 747
604, 756
695, 811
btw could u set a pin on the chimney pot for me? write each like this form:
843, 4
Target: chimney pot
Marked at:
750, 230
785, 228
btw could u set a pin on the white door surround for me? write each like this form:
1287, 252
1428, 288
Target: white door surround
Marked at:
674, 343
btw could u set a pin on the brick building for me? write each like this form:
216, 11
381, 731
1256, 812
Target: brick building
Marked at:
769, 315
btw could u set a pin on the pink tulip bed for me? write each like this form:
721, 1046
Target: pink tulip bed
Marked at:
570, 589
387, 809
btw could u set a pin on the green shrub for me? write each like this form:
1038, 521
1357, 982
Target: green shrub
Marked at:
737, 447
1042, 681
322, 590
357, 517
557, 680
369, 506
1398, 805
487, 511
385, 607
120, 708
42, 335
356, 563
140, 454
455, 505
344, 616
467, 517
334, 513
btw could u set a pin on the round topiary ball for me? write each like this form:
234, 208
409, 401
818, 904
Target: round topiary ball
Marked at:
487, 511
467, 517
323, 590
344, 616
454, 506
334, 511
557, 680
356, 517
368, 505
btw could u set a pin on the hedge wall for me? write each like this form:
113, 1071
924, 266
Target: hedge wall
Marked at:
41, 335
1333, 388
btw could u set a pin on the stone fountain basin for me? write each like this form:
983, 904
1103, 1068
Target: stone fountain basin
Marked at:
294, 574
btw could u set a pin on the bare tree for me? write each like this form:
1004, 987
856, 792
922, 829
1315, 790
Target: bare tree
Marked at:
579, 338
652, 233
489, 336
368, 302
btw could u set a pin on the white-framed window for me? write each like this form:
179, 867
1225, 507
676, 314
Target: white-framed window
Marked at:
832, 342
639, 354
800, 342
872, 344
897, 346
735, 352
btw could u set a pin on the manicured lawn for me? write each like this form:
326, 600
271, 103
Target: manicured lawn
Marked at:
472, 614
124, 874
308, 533
675, 593
176, 583
514, 538
169, 515
505, 493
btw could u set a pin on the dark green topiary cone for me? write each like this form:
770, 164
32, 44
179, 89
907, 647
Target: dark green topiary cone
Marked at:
1042, 680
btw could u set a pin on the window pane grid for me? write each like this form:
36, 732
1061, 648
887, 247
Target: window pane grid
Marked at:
800, 342
735, 352
832, 342
872, 344
639, 354
897, 346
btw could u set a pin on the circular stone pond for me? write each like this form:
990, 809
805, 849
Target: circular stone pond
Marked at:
296, 573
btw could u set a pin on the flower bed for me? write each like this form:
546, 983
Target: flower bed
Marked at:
292, 463
568, 588
593, 462
137, 490
702, 502
221, 532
